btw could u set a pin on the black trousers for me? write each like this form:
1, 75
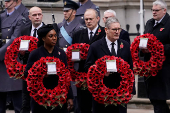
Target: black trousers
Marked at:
84, 99
160, 106
16, 97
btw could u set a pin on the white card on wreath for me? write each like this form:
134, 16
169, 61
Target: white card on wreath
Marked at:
24, 45
51, 68
7, 40
143, 43
111, 66
75, 55
64, 48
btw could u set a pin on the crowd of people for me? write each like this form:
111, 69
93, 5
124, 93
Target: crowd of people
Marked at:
80, 25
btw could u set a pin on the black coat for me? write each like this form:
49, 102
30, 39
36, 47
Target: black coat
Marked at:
99, 49
124, 35
50, 81
82, 37
158, 86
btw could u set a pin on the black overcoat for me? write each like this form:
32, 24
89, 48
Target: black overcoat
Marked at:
99, 49
158, 87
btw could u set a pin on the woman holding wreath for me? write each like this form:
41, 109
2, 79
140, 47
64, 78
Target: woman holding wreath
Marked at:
47, 48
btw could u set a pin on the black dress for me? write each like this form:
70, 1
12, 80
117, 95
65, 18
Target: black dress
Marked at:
50, 81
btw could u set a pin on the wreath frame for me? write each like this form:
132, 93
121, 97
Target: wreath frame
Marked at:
152, 66
14, 68
48, 97
79, 77
104, 95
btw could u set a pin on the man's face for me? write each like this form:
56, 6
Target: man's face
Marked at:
69, 15
36, 16
113, 31
90, 19
106, 16
11, 4
158, 12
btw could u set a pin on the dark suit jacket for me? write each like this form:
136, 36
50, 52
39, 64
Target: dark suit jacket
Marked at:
99, 49
82, 37
158, 86
124, 35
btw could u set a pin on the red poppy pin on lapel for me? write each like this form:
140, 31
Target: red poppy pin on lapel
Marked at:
162, 29
121, 45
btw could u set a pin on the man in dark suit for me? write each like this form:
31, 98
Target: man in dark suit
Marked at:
88, 35
85, 4
105, 46
11, 25
157, 87
23, 11
123, 34
36, 16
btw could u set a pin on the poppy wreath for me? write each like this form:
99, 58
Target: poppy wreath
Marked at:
104, 95
79, 77
152, 66
14, 68
48, 97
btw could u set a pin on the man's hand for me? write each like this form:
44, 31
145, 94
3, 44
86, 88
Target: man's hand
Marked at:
107, 74
145, 50
70, 104
22, 53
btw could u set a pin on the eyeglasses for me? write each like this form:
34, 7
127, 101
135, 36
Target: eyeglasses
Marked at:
115, 30
156, 10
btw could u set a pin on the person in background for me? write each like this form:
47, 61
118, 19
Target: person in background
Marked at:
11, 25
36, 16
23, 11
85, 4
69, 25
157, 87
88, 35
123, 34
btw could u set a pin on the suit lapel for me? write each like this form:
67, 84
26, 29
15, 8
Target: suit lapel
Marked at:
104, 47
119, 49
96, 35
85, 36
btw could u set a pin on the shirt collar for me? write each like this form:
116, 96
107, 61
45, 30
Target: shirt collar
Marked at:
17, 6
159, 20
94, 30
109, 42
37, 27
10, 13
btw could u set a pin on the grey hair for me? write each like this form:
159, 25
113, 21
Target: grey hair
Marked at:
110, 11
94, 11
161, 3
111, 20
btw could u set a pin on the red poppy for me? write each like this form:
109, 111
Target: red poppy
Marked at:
157, 58
100, 92
79, 77
37, 89
11, 56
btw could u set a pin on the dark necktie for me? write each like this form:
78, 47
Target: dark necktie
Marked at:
7, 15
35, 30
113, 50
91, 35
